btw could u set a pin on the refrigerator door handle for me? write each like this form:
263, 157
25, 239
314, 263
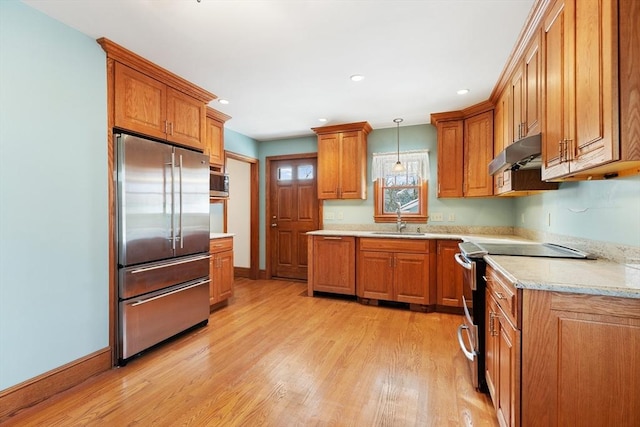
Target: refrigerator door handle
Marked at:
181, 234
173, 198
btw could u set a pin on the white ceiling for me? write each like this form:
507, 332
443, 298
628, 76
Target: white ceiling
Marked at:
283, 64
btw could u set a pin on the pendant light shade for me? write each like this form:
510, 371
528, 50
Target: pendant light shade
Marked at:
398, 167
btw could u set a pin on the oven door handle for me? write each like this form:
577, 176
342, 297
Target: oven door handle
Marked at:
460, 260
468, 354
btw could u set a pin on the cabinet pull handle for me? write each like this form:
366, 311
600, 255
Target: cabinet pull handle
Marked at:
492, 329
560, 149
170, 128
331, 238
500, 295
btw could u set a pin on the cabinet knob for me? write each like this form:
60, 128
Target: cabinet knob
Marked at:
274, 225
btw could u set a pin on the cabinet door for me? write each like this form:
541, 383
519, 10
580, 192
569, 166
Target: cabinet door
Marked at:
532, 88
329, 162
375, 275
508, 368
334, 264
186, 117
449, 275
353, 166
491, 348
596, 81
478, 152
517, 105
556, 99
411, 278
225, 275
450, 158
214, 145
139, 102
213, 288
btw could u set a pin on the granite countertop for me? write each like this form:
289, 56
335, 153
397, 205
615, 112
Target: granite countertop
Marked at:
596, 277
220, 235
487, 238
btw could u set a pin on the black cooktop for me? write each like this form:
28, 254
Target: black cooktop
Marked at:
549, 250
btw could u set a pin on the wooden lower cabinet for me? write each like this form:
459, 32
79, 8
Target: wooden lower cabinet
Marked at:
502, 364
559, 359
395, 270
502, 347
449, 291
221, 270
580, 360
331, 264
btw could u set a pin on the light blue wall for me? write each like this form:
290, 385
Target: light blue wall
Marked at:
240, 144
53, 195
607, 211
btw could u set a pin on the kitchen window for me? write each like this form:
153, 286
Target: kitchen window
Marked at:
406, 190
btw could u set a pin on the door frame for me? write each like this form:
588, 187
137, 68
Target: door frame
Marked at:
254, 244
267, 209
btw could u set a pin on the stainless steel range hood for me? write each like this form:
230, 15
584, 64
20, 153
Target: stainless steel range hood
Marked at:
517, 155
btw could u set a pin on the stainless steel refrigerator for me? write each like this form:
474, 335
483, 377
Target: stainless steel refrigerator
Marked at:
163, 242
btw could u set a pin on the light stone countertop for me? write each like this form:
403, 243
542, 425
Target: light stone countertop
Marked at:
220, 235
596, 277
487, 238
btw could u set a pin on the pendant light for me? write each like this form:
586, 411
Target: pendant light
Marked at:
398, 167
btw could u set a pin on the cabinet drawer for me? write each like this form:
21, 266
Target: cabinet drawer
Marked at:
505, 294
394, 245
220, 245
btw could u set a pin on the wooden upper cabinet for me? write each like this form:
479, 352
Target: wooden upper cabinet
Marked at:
149, 100
465, 148
186, 119
517, 105
478, 152
214, 136
450, 158
342, 161
140, 102
532, 89
590, 129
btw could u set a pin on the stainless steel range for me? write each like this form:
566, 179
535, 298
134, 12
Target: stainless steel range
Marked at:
471, 333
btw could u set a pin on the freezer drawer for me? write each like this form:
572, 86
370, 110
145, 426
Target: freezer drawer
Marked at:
148, 320
145, 278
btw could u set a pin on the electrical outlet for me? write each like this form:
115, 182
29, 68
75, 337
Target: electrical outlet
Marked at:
452, 217
436, 217
522, 218
329, 215
549, 219
340, 215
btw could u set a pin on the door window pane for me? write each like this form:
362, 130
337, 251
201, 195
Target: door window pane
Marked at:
305, 172
284, 174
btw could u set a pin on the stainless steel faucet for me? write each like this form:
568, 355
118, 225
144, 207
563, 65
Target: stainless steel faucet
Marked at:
400, 225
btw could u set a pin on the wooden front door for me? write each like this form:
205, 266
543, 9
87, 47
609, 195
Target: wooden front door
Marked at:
293, 212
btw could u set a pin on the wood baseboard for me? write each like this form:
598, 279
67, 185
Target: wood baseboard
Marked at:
242, 272
44, 386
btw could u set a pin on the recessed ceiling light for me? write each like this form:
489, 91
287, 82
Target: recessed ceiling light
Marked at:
223, 101
322, 120
463, 91
357, 78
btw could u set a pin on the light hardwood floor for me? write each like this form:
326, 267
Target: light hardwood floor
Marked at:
275, 357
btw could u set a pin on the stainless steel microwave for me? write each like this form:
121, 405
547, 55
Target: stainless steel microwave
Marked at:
218, 184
